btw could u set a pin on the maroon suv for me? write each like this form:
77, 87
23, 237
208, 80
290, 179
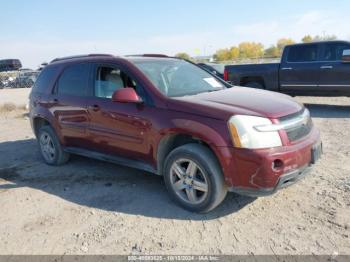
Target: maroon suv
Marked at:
171, 118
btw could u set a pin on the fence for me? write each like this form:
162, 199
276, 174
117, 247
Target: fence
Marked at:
18, 79
259, 60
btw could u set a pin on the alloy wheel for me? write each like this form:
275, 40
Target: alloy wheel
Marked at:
189, 181
47, 147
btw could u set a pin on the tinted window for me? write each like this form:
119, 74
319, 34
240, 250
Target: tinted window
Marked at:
334, 51
303, 53
74, 80
45, 79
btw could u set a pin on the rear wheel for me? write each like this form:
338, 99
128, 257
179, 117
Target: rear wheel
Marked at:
50, 147
254, 85
194, 179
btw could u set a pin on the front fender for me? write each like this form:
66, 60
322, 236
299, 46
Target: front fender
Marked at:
214, 134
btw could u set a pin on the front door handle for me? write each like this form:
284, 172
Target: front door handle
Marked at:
54, 101
286, 68
326, 67
94, 108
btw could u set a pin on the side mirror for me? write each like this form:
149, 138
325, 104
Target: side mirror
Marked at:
346, 56
126, 95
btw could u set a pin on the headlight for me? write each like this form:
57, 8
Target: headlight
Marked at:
245, 134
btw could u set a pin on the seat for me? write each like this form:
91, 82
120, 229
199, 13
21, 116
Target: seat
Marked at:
115, 80
106, 88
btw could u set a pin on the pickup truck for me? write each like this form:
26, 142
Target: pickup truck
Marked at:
318, 69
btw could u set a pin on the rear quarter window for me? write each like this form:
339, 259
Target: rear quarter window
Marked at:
45, 80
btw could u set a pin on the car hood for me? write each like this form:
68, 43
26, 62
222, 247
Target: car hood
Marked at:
237, 100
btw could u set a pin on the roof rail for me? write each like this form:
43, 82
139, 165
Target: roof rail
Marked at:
78, 56
151, 55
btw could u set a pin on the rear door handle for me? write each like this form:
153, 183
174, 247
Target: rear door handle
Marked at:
94, 108
326, 67
287, 68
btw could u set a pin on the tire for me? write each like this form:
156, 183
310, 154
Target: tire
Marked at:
256, 85
198, 185
50, 147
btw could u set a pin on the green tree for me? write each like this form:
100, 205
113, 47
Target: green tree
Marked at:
222, 55
272, 51
281, 43
183, 56
324, 38
250, 50
234, 52
307, 39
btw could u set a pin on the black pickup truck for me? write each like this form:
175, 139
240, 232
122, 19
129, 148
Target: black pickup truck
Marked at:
319, 68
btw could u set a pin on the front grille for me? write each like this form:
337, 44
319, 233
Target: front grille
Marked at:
299, 131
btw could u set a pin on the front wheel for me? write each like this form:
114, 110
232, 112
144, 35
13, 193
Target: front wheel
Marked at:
194, 178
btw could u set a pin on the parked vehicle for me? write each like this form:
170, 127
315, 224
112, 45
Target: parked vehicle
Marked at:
216, 69
10, 65
3, 81
320, 68
26, 78
169, 117
7, 81
42, 65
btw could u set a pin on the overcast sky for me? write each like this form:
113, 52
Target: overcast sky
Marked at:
38, 30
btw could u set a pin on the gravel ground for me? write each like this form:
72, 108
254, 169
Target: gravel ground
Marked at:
17, 96
92, 207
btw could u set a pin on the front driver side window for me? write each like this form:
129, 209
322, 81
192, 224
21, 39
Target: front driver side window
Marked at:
334, 51
110, 79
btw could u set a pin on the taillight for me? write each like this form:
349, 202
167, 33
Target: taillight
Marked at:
225, 75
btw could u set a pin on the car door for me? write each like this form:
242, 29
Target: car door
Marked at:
119, 129
299, 71
335, 75
68, 104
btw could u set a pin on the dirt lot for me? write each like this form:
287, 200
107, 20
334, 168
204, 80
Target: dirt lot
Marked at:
92, 207
17, 96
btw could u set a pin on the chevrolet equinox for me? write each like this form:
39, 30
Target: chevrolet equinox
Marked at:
169, 117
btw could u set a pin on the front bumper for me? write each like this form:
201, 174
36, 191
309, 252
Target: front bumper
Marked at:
283, 181
254, 173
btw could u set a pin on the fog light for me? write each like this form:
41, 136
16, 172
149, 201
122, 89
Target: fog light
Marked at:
277, 164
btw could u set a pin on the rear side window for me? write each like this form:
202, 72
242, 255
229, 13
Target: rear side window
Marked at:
45, 79
74, 80
304, 53
334, 51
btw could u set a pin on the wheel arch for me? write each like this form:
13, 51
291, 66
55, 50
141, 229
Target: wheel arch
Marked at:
41, 119
38, 122
246, 79
174, 140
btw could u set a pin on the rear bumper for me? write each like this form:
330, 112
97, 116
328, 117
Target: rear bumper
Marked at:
254, 172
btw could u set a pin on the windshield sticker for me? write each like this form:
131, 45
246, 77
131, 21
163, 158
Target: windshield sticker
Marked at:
213, 82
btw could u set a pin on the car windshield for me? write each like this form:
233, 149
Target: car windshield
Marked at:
175, 77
